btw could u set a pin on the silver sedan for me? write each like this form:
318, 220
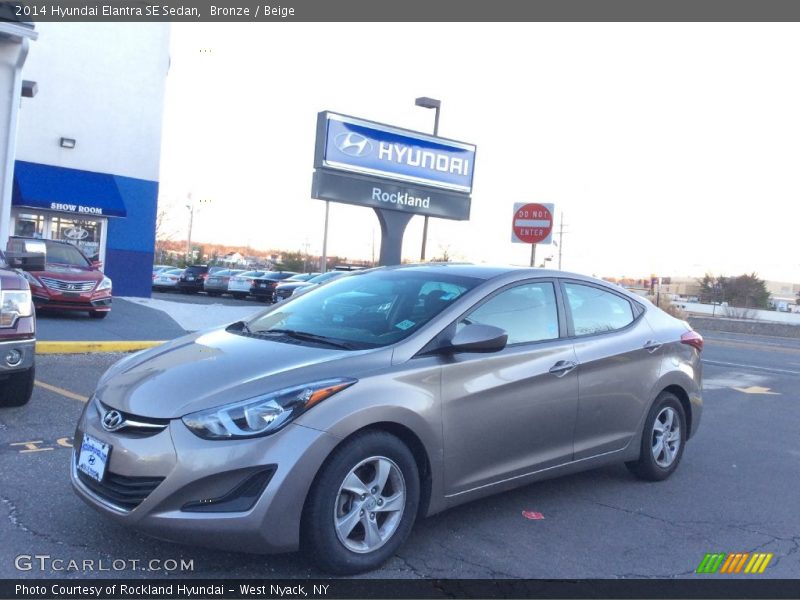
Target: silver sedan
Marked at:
331, 421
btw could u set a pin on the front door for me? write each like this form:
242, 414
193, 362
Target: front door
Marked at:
505, 413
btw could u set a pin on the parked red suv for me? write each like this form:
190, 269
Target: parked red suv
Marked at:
69, 281
17, 328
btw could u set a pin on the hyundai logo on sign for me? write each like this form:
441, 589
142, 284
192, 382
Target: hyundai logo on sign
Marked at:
353, 144
369, 148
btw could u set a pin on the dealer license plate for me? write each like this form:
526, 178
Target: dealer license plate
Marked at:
93, 457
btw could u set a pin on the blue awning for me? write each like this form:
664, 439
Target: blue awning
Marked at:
73, 191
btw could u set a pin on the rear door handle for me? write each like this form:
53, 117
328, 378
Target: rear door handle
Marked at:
562, 367
651, 346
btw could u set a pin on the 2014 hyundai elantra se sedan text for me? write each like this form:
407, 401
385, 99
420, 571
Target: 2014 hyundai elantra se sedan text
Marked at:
330, 422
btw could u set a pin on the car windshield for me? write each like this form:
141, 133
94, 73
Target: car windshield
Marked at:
365, 311
65, 254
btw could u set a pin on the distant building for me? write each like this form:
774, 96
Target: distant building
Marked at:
88, 145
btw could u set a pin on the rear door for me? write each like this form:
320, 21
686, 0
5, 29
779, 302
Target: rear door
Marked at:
619, 359
511, 412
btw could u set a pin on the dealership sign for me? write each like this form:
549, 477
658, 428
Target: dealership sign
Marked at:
373, 149
364, 191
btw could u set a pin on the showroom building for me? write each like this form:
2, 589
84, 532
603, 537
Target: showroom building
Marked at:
88, 144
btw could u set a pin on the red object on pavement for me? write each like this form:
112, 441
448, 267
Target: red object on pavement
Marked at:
533, 516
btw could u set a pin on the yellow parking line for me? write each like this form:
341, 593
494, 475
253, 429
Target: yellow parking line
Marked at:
83, 347
61, 391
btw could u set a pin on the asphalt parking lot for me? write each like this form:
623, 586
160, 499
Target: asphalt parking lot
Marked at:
736, 491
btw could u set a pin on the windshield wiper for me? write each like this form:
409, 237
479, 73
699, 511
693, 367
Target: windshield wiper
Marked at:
309, 337
239, 326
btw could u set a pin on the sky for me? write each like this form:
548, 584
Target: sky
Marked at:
670, 149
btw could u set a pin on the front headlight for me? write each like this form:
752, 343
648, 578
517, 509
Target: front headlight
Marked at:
105, 284
14, 304
262, 415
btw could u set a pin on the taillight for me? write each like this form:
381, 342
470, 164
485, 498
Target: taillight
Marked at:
693, 339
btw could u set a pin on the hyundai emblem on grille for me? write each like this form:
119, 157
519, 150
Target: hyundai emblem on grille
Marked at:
113, 420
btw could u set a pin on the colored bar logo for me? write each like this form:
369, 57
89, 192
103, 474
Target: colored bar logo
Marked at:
738, 562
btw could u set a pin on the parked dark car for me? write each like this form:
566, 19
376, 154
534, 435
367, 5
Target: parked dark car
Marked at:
216, 283
264, 286
292, 288
193, 278
287, 286
17, 327
69, 280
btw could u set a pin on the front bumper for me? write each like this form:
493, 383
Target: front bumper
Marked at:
26, 348
90, 302
196, 470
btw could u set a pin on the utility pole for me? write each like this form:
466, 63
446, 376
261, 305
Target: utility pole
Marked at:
560, 240
190, 206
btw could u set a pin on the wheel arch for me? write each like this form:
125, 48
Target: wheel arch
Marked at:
412, 442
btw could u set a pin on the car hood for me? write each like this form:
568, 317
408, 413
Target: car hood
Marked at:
214, 368
69, 273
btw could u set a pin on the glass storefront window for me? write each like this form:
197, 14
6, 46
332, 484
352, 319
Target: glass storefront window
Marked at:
29, 225
83, 233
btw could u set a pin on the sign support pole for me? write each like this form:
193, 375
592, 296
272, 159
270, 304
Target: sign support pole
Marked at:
324, 266
533, 255
393, 225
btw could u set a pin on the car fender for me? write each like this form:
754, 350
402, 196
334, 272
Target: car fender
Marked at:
408, 399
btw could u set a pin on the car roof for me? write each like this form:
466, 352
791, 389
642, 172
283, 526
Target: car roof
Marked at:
487, 272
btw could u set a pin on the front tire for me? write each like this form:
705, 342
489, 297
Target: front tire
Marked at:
663, 439
18, 388
362, 505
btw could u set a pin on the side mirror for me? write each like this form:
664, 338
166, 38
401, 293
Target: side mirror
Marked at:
477, 338
28, 255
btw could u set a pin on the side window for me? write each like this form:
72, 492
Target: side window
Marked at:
595, 310
526, 312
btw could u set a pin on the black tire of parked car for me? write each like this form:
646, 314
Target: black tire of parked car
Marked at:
18, 388
99, 315
239, 296
213, 294
646, 467
318, 534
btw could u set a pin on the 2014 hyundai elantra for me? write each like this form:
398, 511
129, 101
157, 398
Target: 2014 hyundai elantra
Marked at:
330, 422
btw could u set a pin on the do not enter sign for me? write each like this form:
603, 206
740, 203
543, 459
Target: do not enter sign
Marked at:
532, 224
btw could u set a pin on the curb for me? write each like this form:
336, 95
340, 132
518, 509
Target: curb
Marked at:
85, 347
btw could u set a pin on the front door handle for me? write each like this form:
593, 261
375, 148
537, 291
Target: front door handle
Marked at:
651, 346
562, 367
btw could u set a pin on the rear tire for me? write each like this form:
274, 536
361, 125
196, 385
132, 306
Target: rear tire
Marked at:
239, 296
663, 439
18, 388
362, 505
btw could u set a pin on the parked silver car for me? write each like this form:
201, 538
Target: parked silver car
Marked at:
333, 420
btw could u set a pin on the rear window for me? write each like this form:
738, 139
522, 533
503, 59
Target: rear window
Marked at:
196, 270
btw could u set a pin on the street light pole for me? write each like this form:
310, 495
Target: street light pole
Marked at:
190, 206
436, 105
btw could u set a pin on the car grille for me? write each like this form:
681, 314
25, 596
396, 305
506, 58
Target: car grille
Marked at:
68, 286
124, 492
134, 425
